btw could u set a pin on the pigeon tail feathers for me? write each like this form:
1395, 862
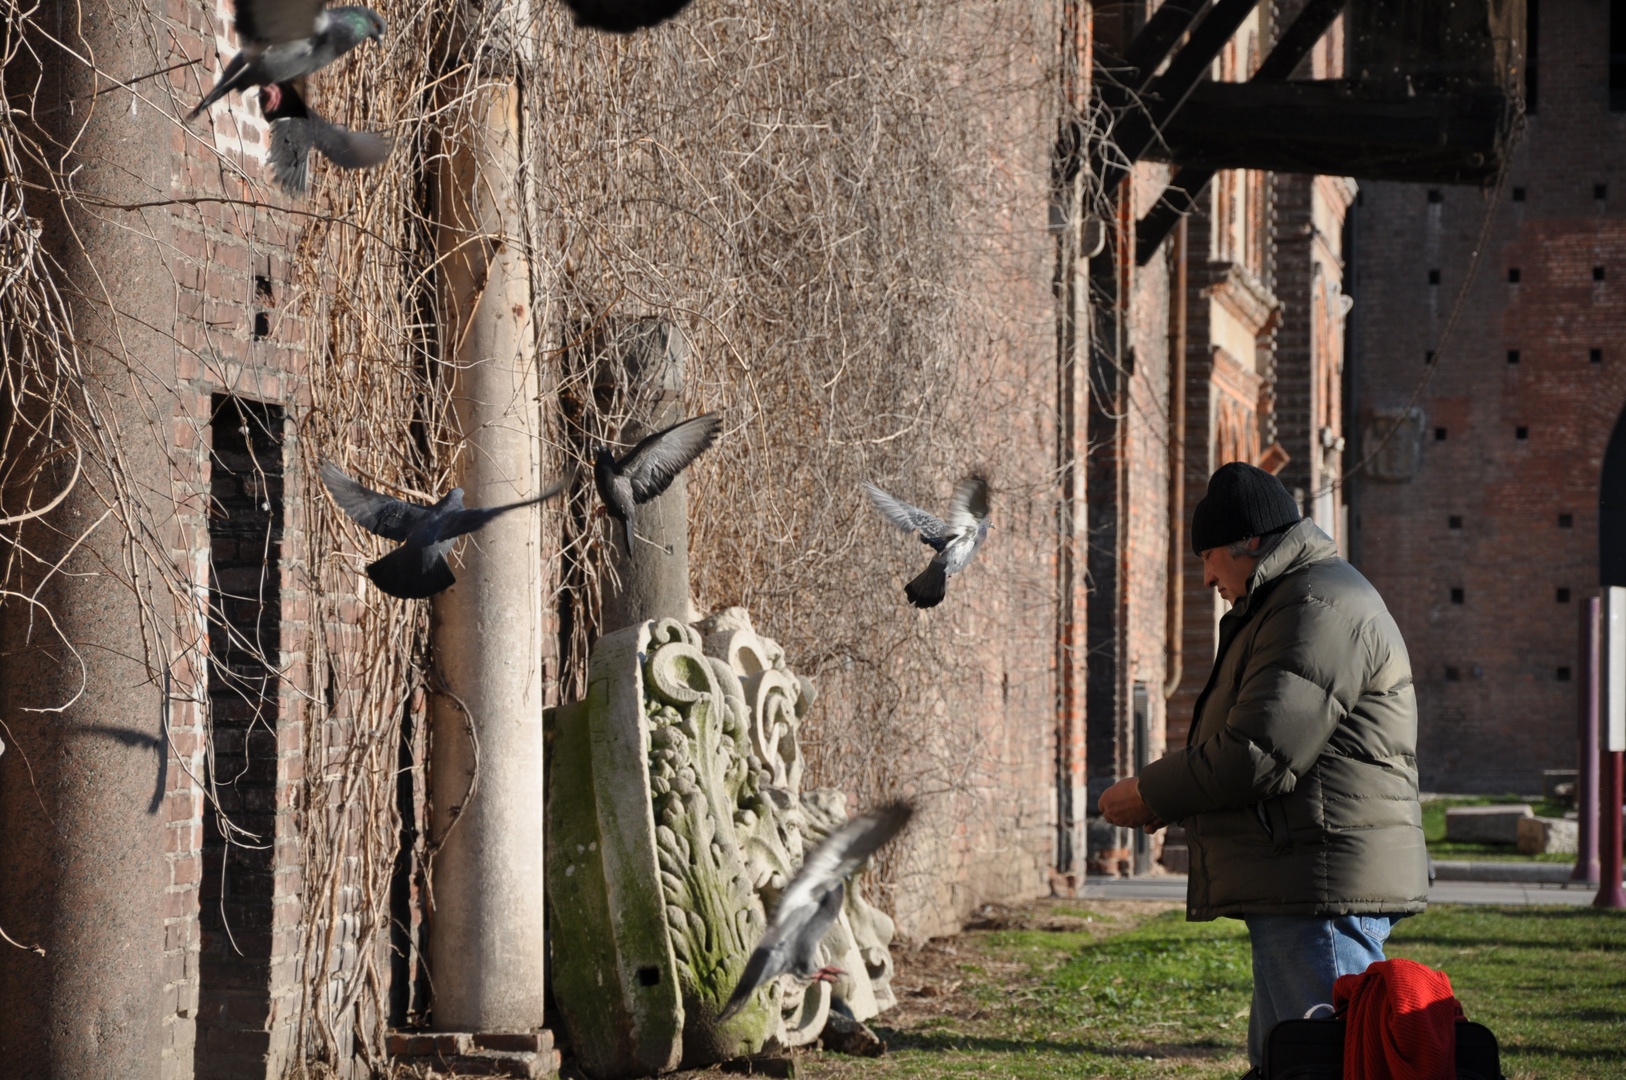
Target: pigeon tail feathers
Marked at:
752, 979
402, 573
628, 523
929, 588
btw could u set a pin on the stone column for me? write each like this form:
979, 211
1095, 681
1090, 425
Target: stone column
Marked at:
654, 577
83, 804
486, 945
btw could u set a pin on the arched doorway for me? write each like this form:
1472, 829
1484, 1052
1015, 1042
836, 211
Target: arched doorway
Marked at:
1612, 509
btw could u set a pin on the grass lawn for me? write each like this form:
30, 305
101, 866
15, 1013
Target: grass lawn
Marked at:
1068, 989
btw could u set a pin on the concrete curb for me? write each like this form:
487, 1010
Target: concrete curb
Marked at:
1512, 872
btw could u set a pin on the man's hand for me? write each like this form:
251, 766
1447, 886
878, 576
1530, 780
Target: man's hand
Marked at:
1121, 804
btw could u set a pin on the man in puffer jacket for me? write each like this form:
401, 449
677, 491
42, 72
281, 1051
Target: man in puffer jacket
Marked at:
1297, 786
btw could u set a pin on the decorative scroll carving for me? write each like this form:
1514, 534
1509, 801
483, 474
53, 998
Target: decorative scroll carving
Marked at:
697, 833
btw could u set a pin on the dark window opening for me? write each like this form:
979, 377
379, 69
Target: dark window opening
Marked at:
262, 287
1595, 356
1563, 674
1600, 192
1433, 277
1456, 596
262, 326
1513, 275
237, 895
1521, 433
1454, 521
1439, 434
1513, 356
1598, 273
1452, 674
1428, 357
1518, 194
649, 976
1566, 521
1563, 596
1434, 195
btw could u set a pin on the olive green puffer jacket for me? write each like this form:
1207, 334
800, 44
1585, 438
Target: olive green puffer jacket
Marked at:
1298, 783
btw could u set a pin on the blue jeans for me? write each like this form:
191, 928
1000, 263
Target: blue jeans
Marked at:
1297, 958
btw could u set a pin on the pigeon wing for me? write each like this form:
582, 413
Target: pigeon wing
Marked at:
769, 960
349, 149
467, 521
910, 519
376, 512
970, 504
654, 463
272, 22
842, 852
289, 154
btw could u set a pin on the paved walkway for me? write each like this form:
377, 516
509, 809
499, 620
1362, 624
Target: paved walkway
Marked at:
1173, 888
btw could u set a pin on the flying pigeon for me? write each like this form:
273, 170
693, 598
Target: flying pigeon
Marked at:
284, 40
417, 569
651, 466
955, 541
297, 129
623, 16
811, 902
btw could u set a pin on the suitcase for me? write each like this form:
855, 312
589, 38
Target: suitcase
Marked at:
1314, 1050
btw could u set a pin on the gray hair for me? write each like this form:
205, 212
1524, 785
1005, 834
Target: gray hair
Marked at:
1267, 543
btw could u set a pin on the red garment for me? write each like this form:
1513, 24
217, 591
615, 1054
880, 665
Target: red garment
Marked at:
1401, 1022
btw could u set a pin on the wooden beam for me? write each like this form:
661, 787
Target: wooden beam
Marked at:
1139, 126
1342, 128
1290, 50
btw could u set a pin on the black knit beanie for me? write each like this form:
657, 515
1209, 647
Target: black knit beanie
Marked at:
1242, 501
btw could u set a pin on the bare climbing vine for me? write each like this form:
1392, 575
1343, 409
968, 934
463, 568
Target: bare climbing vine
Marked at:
841, 207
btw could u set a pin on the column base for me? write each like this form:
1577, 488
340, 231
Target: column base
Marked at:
526, 1055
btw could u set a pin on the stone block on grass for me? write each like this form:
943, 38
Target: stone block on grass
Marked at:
1547, 836
1485, 824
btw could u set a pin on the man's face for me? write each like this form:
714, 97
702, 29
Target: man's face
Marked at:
1227, 573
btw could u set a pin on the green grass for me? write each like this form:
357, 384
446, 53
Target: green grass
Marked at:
1169, 998
1434, 830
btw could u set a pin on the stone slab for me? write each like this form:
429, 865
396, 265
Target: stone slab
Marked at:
1485, 824
1548, 836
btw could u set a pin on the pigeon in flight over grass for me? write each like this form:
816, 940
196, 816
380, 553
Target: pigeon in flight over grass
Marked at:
623, 16
297, 129
955, 541
811, 902
417, 569
284, 40
651, 466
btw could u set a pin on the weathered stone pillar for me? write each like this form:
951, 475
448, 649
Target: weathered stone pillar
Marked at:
654, 577
486, 944
83, 805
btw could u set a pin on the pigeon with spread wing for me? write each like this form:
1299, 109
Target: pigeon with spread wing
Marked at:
297, 129
284, 40
651, 466
955, 540
418, 568
811, 902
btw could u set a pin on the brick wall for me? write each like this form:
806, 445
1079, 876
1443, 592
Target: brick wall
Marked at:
233, 911
1485, 511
